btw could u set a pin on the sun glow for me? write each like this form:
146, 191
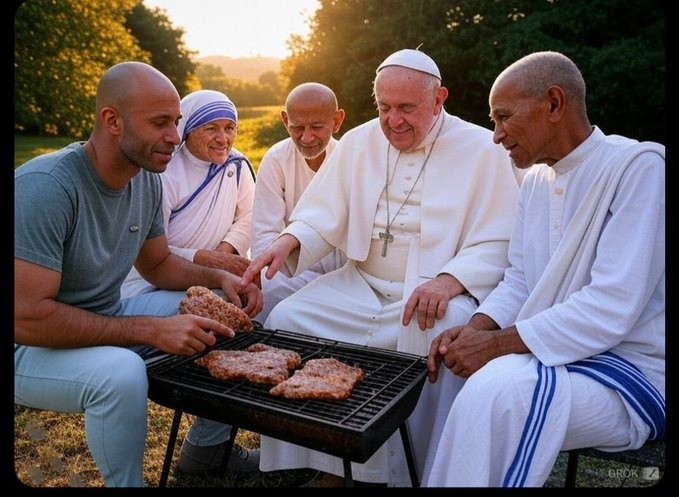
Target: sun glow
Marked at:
238, 28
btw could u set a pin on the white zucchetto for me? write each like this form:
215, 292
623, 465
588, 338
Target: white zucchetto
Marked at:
412, 59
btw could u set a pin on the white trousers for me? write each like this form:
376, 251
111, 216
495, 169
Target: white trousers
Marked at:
480, 439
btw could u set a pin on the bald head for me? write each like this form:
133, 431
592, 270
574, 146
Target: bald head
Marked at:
537, 105
126, 83
534, 74
137, 111
311, 116
312, 95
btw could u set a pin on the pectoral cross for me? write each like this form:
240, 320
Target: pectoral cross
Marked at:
386, 238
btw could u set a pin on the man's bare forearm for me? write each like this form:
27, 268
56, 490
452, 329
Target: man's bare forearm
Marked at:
57, 325
176, 273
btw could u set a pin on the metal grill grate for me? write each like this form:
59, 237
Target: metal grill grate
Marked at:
353, 429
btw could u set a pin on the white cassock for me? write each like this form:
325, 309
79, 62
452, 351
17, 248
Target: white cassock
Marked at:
456, 219
282, 177
222, 212
586, 289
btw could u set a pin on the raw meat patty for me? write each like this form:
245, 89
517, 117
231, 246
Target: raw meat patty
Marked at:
204, 302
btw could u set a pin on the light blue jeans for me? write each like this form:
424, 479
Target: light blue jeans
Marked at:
109, 385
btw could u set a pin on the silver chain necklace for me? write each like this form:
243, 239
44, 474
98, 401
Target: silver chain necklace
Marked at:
386, 235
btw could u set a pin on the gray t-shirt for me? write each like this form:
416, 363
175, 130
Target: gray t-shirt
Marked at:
68, 220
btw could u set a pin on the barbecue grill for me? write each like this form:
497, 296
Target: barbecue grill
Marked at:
351, 429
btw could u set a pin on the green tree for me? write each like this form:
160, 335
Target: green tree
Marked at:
242, 93
62, 47
156, 35
210, 76
618, 44
270, 83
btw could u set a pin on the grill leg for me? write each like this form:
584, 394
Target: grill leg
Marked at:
170, 448
227, 452
409, 455
348, 477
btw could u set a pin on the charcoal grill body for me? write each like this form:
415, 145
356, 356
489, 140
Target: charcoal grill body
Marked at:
351, 429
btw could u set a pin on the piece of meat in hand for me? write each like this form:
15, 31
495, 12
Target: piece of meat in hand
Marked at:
202, 301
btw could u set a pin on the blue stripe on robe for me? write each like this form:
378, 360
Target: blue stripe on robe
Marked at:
624, 377
542, 399
607, 368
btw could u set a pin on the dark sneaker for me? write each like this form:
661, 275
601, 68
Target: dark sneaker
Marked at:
243, 460
195, 459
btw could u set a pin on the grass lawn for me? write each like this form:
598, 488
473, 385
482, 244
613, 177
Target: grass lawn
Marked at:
50, 450
27, 147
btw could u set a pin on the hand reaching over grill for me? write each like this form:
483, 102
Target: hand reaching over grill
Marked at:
233, 263
273, 258
202, 301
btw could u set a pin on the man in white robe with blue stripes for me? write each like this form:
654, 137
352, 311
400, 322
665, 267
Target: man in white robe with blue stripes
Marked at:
569, 350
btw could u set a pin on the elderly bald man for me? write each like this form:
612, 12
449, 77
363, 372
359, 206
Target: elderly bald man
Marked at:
84, 215
311, 116
422, 203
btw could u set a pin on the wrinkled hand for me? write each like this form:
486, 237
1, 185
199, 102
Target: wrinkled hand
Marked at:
463, 349
186, 334
430, 300
232, 263
273, 257
247, 297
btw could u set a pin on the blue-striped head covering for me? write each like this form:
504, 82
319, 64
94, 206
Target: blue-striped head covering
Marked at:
202, 107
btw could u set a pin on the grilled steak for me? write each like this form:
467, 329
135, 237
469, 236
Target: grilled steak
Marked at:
292, 358
326, 379
259, 363
204, 302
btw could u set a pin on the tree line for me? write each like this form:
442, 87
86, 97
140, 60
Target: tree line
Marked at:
62, 47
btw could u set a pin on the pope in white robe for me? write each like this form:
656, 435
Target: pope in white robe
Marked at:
424, 218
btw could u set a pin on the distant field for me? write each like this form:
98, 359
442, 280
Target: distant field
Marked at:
258, 129
27, 147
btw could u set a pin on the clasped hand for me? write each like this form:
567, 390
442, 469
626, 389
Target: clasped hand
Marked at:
463, 349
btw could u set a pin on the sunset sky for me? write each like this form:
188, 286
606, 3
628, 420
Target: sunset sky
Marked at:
238, 28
